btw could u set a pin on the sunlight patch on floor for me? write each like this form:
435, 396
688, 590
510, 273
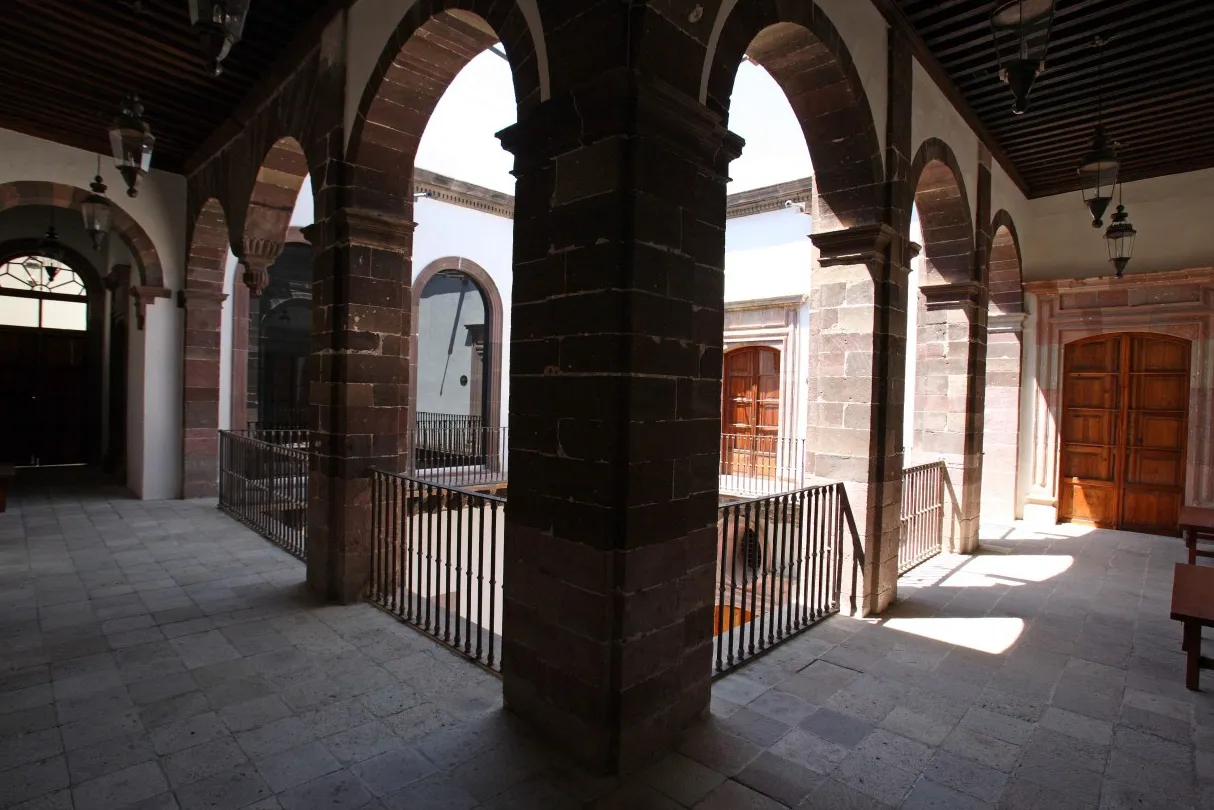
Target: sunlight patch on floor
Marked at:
988, 634
987, 570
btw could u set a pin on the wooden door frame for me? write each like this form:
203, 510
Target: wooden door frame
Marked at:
1177, 304
1122, 430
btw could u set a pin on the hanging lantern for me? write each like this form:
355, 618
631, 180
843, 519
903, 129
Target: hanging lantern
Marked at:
49, 247
1098, 175
218, 25
96, 210
132, 142
1120, 240
1021, 30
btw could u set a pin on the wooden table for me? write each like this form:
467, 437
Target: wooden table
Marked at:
1197, 526
1193, 606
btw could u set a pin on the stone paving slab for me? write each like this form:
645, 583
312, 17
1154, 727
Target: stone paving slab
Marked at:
159, 655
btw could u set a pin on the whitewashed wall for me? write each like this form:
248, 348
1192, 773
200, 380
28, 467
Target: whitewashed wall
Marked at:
154, 399
767, 255
444, 230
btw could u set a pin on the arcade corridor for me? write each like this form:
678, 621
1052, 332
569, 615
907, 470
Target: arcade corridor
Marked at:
161, 655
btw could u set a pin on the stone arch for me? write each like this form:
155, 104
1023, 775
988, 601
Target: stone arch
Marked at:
798, 45
494, 311
58, 195
208, 251
1004, 273
431, 45
280, 177
944, 213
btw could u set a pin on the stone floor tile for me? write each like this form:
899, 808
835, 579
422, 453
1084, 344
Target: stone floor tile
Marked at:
362, 742
740, 689
683, 779
830, 793
156, 689
880, 779
254, 713
754, 727
533, 795
31, 781
389, 772
713, 747
1118, 795
984, 750
201, 761
108, 756
274, 737
120, 788
782, 706
437, 792
239, 787
59, 800
886, 747
779, 779
836, 727
731, 795
929, 795
340, 790
1021, 795
967, 776
183, 734
1079, 726
999, 726
916, 726
25, 748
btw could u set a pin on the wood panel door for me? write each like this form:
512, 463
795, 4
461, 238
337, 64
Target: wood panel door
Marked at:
750, 413
44, 393
1124, 428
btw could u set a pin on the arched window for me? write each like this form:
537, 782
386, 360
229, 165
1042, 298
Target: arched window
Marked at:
39, 292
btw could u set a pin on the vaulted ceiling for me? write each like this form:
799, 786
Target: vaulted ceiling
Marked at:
1156, 73
65, 66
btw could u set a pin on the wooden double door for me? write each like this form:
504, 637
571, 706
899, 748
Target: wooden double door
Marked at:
44, 418
750, 412
1125, 403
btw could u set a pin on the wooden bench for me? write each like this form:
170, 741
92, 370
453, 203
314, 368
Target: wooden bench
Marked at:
1197, 527
7, 473
1193, 607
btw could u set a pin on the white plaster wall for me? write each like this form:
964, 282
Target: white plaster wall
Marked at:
225, 345
154, 398
768, 255
136, 351
1006, 195
1171, 214
934, 116
450, 230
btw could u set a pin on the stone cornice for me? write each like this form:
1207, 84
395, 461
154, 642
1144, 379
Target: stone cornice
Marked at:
200, 299
776, 302
144, 297
862, 244
466, 195
1053, 287
953, 296
770, 198
362, 226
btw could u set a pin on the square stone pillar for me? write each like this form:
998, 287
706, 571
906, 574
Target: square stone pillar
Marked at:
360, 317
1001, 417
949, 394
239, 393
615, 396
857, 360
200, 395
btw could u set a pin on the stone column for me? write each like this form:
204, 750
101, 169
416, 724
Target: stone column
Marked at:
615, 391
200, 397
259, 254
949, 394
857, 351
1001, 417
360, 320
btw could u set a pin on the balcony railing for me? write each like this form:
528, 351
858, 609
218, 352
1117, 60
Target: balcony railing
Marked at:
752, 466
922, 525
436, 561
264, 485
457, 452
780, 567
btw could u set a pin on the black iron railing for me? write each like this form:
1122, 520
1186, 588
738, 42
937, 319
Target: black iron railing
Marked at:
264, 485
780, 566
297, 438
436, 561
922, 526
761, 465
458, 454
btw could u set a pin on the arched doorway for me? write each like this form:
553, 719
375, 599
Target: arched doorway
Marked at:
46, 363
1124, 428
750, 412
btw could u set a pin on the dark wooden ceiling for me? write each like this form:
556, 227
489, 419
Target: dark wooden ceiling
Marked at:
1157, 74
65, 66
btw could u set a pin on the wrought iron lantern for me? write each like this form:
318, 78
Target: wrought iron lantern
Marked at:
132, 142
96, 210
49, 247
1120, 240
1021, 30
1098, 175
218, 24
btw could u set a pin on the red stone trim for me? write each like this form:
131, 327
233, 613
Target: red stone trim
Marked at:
938, 188
952, 296
863, 244
41, 192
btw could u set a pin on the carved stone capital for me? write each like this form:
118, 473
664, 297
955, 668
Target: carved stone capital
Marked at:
256, 276
1011, 322
863, 244
953, 296
144, 297
200, 299
367, 228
